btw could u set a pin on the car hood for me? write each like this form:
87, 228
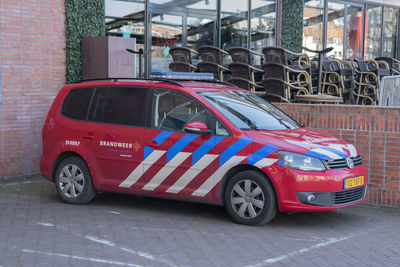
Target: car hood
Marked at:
306, 141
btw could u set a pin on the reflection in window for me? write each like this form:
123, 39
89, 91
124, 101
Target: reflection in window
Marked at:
313, 25
166, 32
373, 28
233, 24
168, 21
390, 21
335, 29
354, 35
200, 32
263, 16
126, 18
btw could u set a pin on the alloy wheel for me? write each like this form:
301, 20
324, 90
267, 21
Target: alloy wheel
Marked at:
247, 199
71, 181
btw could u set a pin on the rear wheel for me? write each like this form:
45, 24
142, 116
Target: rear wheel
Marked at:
250, 198
74, 182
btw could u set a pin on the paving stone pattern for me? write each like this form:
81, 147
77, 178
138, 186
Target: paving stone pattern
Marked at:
37, 229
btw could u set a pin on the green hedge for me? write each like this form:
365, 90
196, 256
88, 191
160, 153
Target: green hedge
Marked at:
82, 18
292, 24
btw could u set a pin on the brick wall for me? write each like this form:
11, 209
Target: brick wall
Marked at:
32, 69
375, 131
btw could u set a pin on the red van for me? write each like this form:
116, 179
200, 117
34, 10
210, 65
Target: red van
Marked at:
198, 141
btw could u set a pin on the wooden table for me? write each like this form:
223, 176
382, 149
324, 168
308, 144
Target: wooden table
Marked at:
318, 98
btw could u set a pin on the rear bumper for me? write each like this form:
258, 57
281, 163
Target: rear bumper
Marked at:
45, 167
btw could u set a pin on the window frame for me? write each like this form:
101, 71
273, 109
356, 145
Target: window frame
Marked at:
144, 120
214, 118
88, 106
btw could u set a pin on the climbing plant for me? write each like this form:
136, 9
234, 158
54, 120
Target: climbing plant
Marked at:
82, 18
292, 24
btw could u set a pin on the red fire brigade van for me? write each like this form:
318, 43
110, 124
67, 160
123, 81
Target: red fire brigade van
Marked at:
199, 141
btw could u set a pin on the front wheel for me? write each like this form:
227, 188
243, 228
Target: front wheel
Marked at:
250, 198
74, 182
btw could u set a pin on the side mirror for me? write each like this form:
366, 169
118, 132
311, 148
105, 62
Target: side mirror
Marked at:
196, 127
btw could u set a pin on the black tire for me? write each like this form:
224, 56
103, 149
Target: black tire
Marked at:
260, 199
73, 176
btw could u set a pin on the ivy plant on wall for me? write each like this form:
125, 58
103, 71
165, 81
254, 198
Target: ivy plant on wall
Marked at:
82, 18
292, 24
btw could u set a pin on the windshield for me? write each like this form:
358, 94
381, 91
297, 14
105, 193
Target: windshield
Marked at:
248, 111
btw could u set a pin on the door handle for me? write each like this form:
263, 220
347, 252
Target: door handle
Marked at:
89, 136
153, 144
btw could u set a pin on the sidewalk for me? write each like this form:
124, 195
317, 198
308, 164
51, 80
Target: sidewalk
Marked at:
37, 229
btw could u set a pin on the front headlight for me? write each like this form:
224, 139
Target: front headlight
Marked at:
300, 161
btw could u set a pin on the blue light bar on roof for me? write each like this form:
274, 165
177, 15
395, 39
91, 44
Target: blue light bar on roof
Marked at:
182, 75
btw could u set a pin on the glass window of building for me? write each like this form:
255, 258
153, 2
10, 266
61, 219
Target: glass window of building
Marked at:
263, 24
234, 24
354, 31
390, 31
125, 17
373, 30
335, 29
313, 18
201, 20
187, 23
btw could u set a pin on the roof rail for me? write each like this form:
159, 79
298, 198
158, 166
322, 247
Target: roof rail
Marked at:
170, 81
136, 79
208, 81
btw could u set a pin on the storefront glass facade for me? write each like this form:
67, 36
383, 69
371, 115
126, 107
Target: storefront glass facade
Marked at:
354, 29
191, 23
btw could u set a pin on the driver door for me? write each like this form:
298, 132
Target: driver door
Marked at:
177, 162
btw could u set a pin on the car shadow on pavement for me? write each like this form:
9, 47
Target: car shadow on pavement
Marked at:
330, 219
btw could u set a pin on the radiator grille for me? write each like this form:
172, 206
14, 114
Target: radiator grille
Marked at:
341, 163
347, 196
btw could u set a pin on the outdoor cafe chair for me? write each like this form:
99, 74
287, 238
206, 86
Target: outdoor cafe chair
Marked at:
332, 82
243, 76
365, 94
243, 55
371, 71
214, 68
393, 64
213, 54
279, 73
182, 59
367, 82
280, 55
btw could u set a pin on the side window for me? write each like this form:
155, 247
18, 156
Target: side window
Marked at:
76, 103
220, 129
120, 105
172, 111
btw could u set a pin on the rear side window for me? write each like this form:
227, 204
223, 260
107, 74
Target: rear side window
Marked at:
120, 105
76, 103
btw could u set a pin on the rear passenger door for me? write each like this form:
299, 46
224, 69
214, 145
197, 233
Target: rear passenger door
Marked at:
115, 133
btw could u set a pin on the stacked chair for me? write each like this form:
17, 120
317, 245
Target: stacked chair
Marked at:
332, 81
182, 57
285, 75
242, 69
243, 55
212, 61
368, 76
283, 79
393, 64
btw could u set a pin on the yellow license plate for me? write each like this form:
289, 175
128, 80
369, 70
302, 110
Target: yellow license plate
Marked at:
353, 182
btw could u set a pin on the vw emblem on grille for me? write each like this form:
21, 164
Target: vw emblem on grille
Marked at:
349, 163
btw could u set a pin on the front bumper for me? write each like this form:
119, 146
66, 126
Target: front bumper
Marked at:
337, 198
294, 186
